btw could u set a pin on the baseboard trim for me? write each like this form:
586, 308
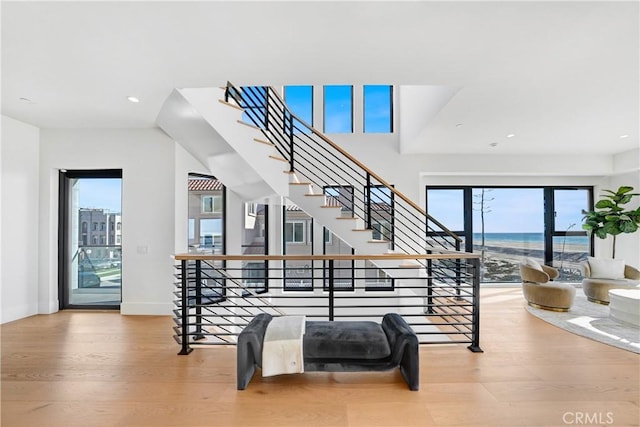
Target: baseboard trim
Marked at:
9, 314
147, 309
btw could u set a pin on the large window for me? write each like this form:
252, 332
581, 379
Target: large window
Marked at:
378, 109
343, 270
255, 105
338, 109
255, 241
503, 225
206, 214
299, 99
298, 240
380, 211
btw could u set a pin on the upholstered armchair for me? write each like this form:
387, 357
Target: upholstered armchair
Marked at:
601, 275
540, 291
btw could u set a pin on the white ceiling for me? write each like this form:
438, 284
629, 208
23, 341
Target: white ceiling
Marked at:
562, 76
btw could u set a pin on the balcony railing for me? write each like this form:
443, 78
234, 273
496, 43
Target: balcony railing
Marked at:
217, 295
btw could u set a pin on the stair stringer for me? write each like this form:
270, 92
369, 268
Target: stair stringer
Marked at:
185, 121
240, 137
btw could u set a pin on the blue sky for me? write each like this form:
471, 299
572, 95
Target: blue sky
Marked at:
508, 210
338, 107
102, 193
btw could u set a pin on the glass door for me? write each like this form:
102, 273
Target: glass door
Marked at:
90, 270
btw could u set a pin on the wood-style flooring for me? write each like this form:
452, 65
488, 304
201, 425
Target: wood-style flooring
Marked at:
83, 368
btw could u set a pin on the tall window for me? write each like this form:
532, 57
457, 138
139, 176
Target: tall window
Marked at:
255, 241
343, 272
299, 99
338, 109
206, 214
298, 240
569, 241
504, 225
255, 105
378, 109
381, 211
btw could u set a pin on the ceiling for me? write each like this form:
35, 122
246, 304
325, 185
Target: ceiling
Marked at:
560, 76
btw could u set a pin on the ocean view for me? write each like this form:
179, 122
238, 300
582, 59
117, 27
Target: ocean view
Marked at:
491, 238
503, 252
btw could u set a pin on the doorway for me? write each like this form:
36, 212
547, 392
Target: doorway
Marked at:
90, 239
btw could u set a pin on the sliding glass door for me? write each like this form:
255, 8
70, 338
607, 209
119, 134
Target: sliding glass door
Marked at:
505, 224
90, 243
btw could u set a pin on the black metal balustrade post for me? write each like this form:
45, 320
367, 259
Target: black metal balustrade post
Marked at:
430, 309
198, 300
458, 266
475, 327
184, 314
331, 290
291, 145
368, 197
266, 108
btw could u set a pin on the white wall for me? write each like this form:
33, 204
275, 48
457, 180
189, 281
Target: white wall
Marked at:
147, 160
19, 220
627, 174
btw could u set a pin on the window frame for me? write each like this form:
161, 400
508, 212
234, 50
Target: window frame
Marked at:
548, 213
364, 109
294, 222
216, 204
324, 109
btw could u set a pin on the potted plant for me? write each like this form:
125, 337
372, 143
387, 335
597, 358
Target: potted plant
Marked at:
609, 217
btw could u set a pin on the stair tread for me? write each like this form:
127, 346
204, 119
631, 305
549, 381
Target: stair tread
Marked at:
299, 183
314, 195
362, 229
379, 241
409, 266
251, 125
236, 106
331, 206
261, 141
282, 159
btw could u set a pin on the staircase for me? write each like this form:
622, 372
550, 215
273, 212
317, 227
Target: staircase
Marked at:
250, 140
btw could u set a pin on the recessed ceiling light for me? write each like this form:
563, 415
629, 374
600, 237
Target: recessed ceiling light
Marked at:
459, 125
624, 136
511, 135
493, 144
133, 99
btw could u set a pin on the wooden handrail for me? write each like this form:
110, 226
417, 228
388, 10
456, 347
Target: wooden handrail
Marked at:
367, 170
211, 257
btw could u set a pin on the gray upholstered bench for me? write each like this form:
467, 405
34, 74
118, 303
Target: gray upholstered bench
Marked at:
340, 346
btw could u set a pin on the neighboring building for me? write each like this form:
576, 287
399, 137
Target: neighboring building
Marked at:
99, 228
206, 206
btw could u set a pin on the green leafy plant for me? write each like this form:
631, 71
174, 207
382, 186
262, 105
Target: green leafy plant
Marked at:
609, 217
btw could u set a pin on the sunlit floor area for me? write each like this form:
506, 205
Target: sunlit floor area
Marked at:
95, 368
104, 295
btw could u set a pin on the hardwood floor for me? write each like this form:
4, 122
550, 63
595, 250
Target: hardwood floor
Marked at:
85, 369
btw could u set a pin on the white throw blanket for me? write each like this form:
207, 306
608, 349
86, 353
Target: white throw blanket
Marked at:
282, 346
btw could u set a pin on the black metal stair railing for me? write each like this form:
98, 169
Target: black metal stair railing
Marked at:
214, 299
315, 158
